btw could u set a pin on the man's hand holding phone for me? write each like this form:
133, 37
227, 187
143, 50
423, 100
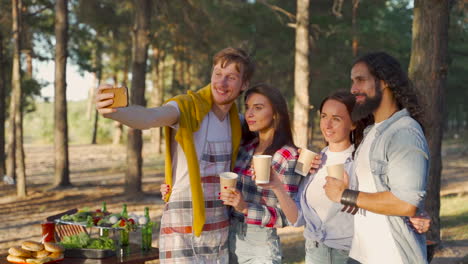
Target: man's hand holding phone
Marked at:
109, 97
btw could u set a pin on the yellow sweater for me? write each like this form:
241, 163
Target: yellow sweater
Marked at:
194, 106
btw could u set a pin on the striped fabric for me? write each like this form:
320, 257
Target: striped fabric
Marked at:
177, 242
263, 206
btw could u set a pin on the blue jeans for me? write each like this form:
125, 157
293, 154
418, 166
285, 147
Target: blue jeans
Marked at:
253, 244
319, 253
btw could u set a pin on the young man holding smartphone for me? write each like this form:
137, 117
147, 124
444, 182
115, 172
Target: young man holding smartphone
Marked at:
203, 134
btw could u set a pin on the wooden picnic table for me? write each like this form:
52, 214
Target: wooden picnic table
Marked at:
133, 256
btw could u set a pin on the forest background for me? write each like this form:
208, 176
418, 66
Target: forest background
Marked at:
55, 147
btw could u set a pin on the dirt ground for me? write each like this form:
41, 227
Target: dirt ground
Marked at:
97, 174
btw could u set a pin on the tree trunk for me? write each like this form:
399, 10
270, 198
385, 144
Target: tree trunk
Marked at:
10, 159
95, 117
95, 128
173, 76
157, 98
118, 131
125, 71
354, 26
29, 66
16, 115
118, 127
19, 149
140, 40
97, 66
428, 71
2, 108
62, 175
11, 147
188, 78
301, 74
27, 44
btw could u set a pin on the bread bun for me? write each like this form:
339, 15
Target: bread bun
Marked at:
15, 259
19, 252
40, 254
56, 255
39, 261
32, 246
53, 247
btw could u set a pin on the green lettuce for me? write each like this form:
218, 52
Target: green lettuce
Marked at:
82, 240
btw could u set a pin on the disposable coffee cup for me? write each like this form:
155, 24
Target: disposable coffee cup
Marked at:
227, 179
304, 163
336, 171
262, 164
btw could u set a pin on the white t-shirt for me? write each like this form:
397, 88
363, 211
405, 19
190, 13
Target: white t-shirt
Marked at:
218, 131
372, 240
315, 194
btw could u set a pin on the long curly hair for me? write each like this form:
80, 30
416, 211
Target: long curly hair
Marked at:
386, 68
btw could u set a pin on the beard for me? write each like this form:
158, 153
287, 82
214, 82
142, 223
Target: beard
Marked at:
366, 108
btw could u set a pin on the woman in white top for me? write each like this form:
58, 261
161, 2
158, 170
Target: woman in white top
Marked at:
328, 226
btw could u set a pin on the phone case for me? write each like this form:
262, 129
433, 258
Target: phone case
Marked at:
120, 96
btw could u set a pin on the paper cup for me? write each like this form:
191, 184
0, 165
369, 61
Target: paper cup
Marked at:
336, 171
262, 164
227, 179
304, 163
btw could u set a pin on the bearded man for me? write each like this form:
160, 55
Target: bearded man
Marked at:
391, 165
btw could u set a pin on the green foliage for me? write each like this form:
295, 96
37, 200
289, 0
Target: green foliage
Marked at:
187, 33
32, 90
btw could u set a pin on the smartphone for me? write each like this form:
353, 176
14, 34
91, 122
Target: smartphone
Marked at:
120, 96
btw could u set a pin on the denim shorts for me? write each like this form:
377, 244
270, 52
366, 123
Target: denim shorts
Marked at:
253, 244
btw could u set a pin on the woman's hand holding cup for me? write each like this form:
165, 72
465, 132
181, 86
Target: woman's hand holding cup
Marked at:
276, 181
234, 198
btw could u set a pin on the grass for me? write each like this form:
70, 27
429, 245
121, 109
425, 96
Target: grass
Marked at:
454, 217
39, 125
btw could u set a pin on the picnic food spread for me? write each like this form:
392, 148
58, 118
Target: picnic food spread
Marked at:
75, 239
36, 253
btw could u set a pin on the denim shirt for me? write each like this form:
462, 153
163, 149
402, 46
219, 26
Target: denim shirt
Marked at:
338, 228
399, 161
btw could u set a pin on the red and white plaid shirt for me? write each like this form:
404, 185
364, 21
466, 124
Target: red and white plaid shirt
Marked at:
263, 206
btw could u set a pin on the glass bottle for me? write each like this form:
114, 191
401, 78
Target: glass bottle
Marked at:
104, 232
124, 232
147, 232
124, 213
104, 208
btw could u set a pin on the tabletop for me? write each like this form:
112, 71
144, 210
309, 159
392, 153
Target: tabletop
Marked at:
132, 255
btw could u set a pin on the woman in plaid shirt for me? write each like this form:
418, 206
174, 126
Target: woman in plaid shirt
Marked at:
256, 213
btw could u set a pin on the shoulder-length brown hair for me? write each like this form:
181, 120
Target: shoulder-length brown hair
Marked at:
281, 123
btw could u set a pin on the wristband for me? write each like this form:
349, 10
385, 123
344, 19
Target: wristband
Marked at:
350, 209
349, 197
